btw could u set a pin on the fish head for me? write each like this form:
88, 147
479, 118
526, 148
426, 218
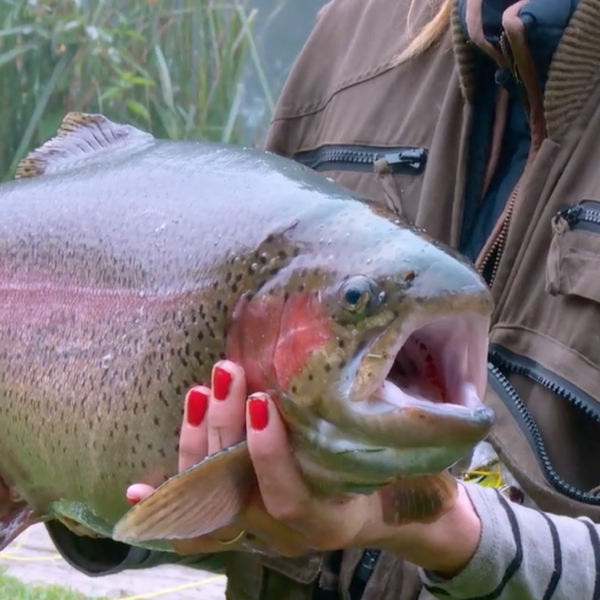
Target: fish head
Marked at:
376, 352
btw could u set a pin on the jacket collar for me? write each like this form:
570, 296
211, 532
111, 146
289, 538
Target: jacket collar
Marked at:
551, 48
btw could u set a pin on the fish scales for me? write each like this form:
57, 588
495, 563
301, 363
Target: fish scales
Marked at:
123, 270
106, 306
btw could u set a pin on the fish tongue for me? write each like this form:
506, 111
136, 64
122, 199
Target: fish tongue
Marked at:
467, 396
391, 394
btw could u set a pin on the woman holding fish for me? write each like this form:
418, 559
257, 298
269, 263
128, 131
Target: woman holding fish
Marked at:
478, 121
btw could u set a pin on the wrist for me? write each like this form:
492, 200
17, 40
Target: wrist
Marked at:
445, 546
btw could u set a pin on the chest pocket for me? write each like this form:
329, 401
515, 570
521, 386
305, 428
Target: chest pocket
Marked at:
389, 174
573, 267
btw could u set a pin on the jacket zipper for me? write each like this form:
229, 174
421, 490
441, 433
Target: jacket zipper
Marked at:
494, 254
497, 248
503, 360
401, 160
585, 215
508, 57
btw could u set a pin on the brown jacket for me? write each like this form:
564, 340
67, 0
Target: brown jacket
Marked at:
344, 90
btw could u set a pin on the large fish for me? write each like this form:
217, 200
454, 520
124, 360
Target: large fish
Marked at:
129, 265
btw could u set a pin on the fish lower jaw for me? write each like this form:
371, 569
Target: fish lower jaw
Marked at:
334, 464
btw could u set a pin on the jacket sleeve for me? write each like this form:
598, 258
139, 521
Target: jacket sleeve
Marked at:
525, 554
97, 557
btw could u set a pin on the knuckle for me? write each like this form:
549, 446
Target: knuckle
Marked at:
288, 512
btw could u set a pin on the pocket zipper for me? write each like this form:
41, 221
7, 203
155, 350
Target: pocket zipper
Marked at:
501, 360
585, 215
401, 161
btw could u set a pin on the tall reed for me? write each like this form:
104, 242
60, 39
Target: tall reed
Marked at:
173, 67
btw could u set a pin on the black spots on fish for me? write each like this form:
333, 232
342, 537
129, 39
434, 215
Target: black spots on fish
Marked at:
182, 358
341, 343
327, 367
161, 396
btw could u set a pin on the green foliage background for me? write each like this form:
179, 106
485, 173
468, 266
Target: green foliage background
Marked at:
172, 67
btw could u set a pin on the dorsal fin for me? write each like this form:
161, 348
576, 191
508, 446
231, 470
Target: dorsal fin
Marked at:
80, 138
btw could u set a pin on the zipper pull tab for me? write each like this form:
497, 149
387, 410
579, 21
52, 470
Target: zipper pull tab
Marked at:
411, 158
571, 215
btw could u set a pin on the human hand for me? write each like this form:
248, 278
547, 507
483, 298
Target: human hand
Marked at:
281, 516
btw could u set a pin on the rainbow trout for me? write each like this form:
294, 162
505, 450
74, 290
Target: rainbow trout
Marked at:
130, 265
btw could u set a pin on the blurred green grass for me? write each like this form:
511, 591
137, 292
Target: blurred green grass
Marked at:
12, 589
172, 67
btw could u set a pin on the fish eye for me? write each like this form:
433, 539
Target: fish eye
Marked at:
358, 295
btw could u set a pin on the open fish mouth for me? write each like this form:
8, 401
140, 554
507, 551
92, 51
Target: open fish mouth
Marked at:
422, 385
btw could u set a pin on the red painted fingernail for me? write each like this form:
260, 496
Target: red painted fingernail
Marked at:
221, 383
132, 499
196, 408
259, 413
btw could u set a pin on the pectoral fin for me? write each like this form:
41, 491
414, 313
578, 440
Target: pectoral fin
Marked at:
195, 502
418, 499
